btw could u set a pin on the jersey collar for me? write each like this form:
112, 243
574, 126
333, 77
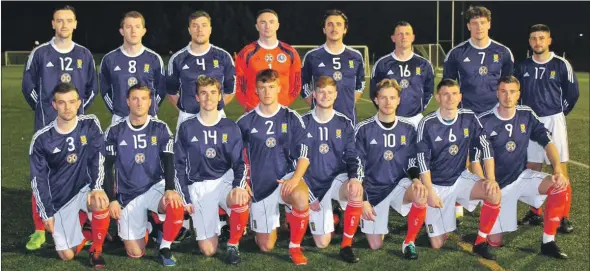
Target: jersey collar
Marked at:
549, 59
52, 42
137, 129
65, 132
268, 47
209, 125
401, 60
315, 117
495, 110
480, 48
141, 50
334, 53
438, 115
188, 49
381, 125
257, 109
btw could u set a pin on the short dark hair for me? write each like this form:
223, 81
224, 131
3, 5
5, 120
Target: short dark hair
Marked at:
198, 14
133, 14
66, 7
447, 83
62, 88
138, 86
509, 80
266, 10
388, 83
335, 12
267, 76
204, 80
478, 11
401, 23
539, 28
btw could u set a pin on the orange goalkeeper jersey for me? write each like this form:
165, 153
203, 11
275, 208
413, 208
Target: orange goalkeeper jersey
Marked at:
256, 57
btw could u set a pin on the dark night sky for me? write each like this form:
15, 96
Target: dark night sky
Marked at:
370, 23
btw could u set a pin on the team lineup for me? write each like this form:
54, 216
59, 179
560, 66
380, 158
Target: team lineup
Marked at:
157, 181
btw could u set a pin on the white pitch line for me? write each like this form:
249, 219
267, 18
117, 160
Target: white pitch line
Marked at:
578, 164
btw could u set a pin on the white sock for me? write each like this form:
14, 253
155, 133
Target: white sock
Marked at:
548, 238
291, 245
165, 244
404, 245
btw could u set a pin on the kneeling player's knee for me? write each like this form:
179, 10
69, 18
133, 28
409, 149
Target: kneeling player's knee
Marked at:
265, 247
436, 243
375, 244
495, 198
322, 242
135, 252
208, 251
495, 240
66, 255
300, 200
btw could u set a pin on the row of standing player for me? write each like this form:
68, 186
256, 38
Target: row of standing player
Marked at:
335, 27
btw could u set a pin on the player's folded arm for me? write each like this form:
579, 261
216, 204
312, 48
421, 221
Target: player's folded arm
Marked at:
237, 160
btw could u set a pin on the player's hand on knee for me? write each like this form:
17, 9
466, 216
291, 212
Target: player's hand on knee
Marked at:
189, 208
315, 206
355, 188
434, 200
98, 200
368, 212
491, 187
240, 196
115, 209
288, 186
49, 224
419, 189
171, 197
559, 181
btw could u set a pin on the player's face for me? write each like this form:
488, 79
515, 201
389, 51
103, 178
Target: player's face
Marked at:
508, 95
208, 97
325, 97
387, 100
479, 28
268, 92
66, 105
539, 41
200, 30
403, 37
267, 25
335, 28
64, 22
139, 102
449, 97
133, 30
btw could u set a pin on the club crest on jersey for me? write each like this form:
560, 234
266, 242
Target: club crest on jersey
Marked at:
453, 149
140, 158
224, 138
146, 68
271, 142
522, 128
552, 75
154, 140
510, 146
79, 63
268, 58
465, 132
483, 70
404, 83
418, 71
388, 155
65, 78
284, 127
324, 148
131, 81
403, 139
338, 133
281, 58
351, 64
337, 76
210, 153
72, 158
496, 58
83, 140
215, 63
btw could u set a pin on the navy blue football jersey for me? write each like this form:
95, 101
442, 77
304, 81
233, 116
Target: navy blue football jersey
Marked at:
416, 77
509, 139
548, 88
385, 154
332, 148
63, 162
206, 152
273, 144
184, 67
443, 147
478, 71
48, 66
346, 67
137, 150
119, 71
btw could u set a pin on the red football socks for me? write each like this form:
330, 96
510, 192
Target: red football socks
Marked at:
173, 223
568, 202
100, 226
238, 220
487, 218
36, 217
352, 217
298, 225
415, 221
554, 209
